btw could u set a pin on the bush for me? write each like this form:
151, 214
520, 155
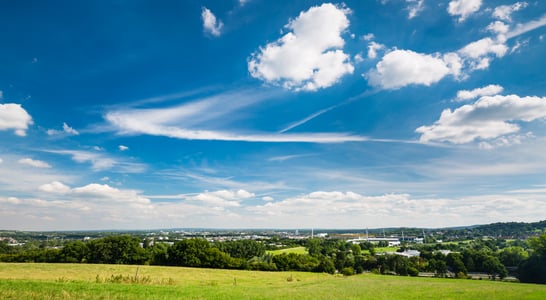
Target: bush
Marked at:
348, 271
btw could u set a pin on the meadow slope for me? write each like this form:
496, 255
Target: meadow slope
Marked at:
84, 281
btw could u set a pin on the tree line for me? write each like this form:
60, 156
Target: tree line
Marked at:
527, 260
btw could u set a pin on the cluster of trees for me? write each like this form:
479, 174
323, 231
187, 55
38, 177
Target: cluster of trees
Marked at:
494, 257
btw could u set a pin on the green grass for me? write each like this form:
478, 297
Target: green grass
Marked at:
297, 250
386, 249
73, 281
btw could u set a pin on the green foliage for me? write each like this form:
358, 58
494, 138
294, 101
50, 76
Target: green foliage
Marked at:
122, 249
296, 262
513, 256
348, 271
533, 270
199, 253
246, 249
74, 252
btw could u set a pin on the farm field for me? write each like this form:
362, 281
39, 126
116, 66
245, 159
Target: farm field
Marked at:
83, 281
296, 250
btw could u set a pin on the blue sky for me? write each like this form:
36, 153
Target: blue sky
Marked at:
261, 114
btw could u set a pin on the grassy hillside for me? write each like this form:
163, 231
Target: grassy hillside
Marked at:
72, 281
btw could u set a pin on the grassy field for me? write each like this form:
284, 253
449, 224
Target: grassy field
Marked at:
73, 281
297, 250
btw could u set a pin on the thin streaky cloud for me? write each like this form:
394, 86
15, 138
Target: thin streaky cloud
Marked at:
309, 118
526, 27
325, 110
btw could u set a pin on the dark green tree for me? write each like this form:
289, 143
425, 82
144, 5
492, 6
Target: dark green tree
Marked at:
533, 269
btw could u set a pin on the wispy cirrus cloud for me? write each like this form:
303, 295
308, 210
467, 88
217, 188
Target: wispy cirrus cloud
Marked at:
100, 161
199, 120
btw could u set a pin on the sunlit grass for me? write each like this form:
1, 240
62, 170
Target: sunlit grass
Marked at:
297, 250
73, 281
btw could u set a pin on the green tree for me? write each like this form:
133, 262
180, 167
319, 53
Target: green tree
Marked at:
533, 269
74, 252
513, 256
122, 249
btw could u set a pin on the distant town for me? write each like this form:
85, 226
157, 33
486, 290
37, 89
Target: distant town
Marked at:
499, 251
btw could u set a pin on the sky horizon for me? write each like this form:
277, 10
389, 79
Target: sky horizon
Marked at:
252, 114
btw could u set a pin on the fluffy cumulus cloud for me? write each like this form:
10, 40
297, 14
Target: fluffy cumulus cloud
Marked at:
91, 206
14, 116
34, 163
504, 12
490, 90
55, 187
478, 54
310, 56
222, 199
210, 24
463, 8
353, 210
488, 118
399, 68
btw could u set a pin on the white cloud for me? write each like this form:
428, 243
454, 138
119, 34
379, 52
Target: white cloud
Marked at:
352, 210
358, 58
373, 47
368, 37
526, 27
498, 27
66, 130
504, 12
400, 68
483, 48
415, 7
268, 199
123, 148
55, 187
223, 198
309, 57
210, 24
100, 161
463, 8
479, 54
104, 192
488, 118
14, 116
199, 119
34, 163
490, 90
